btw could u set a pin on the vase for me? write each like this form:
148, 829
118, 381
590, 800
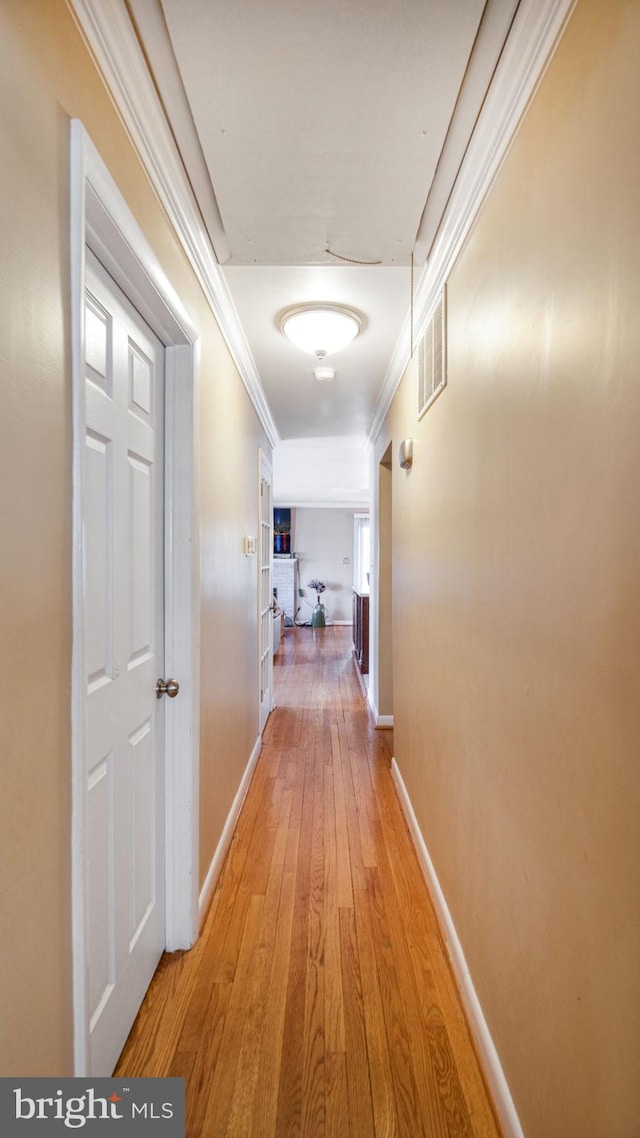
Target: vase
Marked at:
317, 617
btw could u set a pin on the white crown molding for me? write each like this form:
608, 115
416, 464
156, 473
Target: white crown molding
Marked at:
111, 38
320, 504
533, 39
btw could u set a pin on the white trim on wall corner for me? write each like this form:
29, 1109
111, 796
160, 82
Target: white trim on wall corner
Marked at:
217, 861
379, 720
491, 1064
384, 720
536, 31
111, 38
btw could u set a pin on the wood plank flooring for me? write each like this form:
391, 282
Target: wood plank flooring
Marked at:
318, 1000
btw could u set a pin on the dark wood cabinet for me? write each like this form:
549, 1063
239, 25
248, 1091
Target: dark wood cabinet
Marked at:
361, 630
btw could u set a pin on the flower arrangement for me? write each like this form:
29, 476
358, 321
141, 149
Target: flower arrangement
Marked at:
317, 586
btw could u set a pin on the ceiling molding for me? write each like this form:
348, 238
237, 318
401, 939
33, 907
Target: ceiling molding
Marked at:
112, 40
148, 19
536, 31
491, 36
359, 504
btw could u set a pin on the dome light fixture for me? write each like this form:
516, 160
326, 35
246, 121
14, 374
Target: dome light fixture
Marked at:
321, 329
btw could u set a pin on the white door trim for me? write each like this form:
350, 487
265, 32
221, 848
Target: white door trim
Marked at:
265, 470
101, 219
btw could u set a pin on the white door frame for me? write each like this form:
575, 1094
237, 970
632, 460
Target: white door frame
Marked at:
101, 219
265, 469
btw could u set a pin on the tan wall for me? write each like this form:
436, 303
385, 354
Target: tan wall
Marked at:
46, 77
517, 595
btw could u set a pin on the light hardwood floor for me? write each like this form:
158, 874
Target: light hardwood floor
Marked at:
318, 1000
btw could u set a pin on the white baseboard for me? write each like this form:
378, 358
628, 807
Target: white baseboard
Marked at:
486, 1049
213, 873
384, 720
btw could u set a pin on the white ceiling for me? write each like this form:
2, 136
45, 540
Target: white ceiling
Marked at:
321, 121
314, 125
301, 406
330, 472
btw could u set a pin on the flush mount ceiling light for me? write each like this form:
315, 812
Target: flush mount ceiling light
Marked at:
321, 329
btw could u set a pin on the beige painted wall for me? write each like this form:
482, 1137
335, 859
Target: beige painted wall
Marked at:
46, 77
517, 595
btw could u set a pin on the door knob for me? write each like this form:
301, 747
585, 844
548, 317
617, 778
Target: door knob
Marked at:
170, 688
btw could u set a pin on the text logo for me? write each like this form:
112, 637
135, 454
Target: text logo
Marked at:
131, 1107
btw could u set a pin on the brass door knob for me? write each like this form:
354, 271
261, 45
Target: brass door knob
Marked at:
170, 688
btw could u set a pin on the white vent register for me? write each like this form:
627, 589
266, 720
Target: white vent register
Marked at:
432, 357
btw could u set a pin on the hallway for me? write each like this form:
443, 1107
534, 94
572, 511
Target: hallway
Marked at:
318, 1000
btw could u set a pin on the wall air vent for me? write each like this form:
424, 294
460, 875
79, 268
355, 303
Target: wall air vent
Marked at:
432, 356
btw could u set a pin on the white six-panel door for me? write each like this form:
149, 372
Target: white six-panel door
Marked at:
123, 592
